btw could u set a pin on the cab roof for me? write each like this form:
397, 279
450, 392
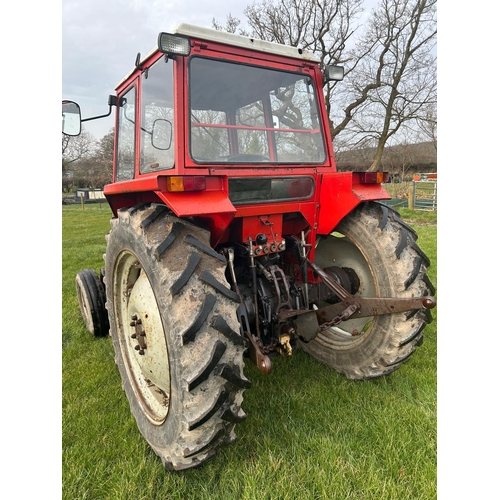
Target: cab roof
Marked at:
232, 39
244, 42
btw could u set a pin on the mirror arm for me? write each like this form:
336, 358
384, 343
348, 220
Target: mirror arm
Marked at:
96, 117
112, 101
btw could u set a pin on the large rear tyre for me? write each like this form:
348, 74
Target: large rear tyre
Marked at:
380, 248
174, 328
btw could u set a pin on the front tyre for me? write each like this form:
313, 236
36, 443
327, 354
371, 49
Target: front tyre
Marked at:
174, 329
375, 244
92, 300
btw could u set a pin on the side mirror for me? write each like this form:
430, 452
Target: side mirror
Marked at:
71, 118
161, 136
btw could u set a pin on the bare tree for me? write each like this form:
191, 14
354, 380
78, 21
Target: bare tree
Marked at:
95, 171
402, 34
400, 158
323, 27
76, 148
231, 25
427, 124
86, 161
102, 170
390, 77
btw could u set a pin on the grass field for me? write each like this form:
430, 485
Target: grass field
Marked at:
310, 433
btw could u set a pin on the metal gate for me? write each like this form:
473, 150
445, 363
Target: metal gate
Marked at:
425, 195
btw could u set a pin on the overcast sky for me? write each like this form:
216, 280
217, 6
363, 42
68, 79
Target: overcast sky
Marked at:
101, 39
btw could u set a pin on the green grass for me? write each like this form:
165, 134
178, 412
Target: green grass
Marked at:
310, 433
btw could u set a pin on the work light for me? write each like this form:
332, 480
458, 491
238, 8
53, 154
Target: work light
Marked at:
335, 73
174, 44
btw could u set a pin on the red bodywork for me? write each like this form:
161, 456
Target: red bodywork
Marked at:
335, 194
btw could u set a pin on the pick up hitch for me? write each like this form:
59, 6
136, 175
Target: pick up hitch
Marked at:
262, 361
310, 323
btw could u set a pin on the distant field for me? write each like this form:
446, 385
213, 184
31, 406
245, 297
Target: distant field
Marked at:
310, 433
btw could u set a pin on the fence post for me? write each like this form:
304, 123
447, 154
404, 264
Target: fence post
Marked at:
411, 196
81, 200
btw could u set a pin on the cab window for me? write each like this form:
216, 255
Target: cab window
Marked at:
125, 159
157, 117
245, 114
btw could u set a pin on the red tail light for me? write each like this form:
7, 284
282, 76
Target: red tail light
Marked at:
372, 177
178, 184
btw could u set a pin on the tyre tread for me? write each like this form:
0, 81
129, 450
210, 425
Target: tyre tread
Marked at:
193, 261
403, 265
215, 356
209, 395
205, 417
190, 334
210, 279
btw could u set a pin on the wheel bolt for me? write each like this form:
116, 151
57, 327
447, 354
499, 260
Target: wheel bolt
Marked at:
134, 335
132, 323
137, 347
134, 317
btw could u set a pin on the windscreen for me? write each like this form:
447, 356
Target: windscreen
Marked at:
247, 114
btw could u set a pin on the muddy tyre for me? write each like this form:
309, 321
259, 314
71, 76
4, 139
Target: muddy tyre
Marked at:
92, 302
175, 334
381, 249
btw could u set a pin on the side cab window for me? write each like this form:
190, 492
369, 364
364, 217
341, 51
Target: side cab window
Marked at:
125, 159
157, 117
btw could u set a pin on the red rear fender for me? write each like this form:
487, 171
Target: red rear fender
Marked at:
339, 195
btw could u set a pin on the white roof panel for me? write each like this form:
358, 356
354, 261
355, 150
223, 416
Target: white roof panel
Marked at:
236, 41
243, 41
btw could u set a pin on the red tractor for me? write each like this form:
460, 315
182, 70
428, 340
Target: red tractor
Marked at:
234, 235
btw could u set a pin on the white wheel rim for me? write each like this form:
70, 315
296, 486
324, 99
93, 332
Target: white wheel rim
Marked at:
141, 337
338, 250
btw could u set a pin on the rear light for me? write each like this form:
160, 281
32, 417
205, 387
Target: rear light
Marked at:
178, 184
373, 177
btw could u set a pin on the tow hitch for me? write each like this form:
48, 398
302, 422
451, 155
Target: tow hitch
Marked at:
310, 323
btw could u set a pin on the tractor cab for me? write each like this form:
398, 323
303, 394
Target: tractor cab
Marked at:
225, 104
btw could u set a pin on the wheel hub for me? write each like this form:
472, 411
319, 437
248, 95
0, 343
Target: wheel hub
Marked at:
139, 334
341, 259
